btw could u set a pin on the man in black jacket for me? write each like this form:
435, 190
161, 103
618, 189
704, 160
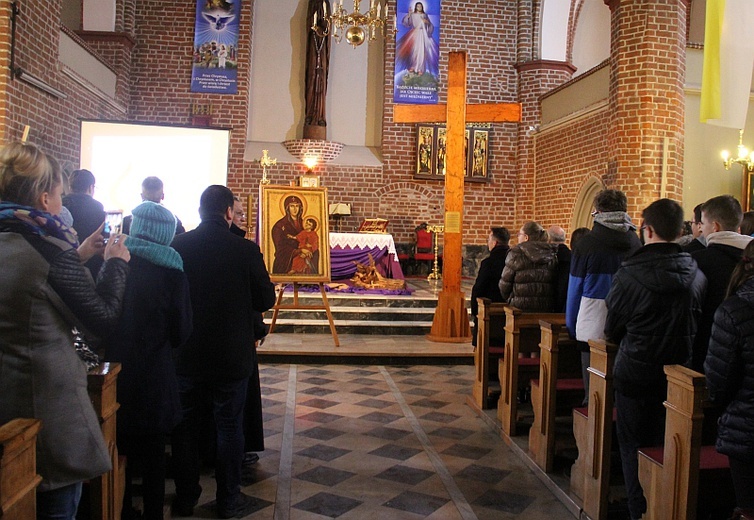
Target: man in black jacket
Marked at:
490, 270
228, 283
652, 310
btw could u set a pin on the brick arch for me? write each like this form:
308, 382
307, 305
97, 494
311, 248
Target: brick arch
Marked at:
408, 205
581, 215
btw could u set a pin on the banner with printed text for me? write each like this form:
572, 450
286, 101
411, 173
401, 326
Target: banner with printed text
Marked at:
417, 52
216, 46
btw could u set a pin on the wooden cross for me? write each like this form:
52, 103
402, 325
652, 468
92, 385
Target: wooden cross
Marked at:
451, 320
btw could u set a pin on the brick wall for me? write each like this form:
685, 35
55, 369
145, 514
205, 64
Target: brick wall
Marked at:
531, 177
53, 122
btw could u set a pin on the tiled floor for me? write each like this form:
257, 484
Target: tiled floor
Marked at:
383, 442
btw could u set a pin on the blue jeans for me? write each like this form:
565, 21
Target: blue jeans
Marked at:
640, 424
227, 401
59, 504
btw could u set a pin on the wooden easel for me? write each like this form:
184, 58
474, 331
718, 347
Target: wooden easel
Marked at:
297, 305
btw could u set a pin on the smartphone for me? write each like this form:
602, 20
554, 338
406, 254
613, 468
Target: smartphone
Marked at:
113, 222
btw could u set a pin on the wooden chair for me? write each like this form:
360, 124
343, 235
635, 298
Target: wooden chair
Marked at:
424, 250
106, 491
593, 430
522, 335
490, 348
558, 374
18, 469
670, 475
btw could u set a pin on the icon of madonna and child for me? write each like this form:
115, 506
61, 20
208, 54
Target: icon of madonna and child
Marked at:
417, 54
296, 240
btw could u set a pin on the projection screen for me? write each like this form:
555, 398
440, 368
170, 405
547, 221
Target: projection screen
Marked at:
186, 159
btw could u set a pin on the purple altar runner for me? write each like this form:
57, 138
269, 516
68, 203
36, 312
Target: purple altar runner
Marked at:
347, 248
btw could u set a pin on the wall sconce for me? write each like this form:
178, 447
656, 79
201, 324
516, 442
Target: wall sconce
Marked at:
339, 210
743, 156
746, 160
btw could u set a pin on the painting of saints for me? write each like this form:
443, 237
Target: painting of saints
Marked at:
425, 150
441, 151
479, 156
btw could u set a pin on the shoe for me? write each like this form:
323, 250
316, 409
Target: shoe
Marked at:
243, 502
249, 459
182, 508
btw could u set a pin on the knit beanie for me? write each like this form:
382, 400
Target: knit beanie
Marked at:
153, 222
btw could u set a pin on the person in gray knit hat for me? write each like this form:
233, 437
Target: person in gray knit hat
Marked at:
156, 319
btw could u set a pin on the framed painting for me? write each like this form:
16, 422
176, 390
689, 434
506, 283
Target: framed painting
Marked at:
293, 233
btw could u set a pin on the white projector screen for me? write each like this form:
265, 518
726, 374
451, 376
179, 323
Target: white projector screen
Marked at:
186, 159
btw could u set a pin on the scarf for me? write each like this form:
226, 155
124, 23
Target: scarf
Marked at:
158, 254
615, 220
38, 222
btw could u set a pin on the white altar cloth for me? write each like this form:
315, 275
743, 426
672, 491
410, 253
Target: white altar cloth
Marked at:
363, 240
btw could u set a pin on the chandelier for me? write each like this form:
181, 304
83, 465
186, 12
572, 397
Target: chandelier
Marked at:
743, 156
356, 27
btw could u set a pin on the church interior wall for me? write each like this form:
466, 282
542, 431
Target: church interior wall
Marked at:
153, 86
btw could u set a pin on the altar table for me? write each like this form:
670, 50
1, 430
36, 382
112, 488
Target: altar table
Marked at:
347, 248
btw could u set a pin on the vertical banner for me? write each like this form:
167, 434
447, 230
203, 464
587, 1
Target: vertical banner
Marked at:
216, 46
417, 52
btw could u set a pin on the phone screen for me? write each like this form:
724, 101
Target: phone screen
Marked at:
113, 221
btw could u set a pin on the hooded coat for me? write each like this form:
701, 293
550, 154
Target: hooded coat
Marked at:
529, 275
729, 368
724, 250
652, 310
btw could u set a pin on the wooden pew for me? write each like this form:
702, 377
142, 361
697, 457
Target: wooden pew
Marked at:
670, 475
557, 375
522, 335
106, 491
593, 430
489, 348
18, 469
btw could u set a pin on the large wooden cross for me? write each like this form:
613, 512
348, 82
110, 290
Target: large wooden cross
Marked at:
451, 320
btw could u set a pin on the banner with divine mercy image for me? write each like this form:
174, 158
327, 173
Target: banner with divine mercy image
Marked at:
417, 52
215, 59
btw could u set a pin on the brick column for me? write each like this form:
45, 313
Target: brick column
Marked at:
647, 68
535, 78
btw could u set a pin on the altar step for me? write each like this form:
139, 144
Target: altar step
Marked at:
359, 314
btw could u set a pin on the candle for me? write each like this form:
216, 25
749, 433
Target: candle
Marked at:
324, 8
314, 23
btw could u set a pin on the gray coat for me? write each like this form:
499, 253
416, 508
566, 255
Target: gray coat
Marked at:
43, 287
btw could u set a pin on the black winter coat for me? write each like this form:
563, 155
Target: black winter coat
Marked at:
729, 368
488, 278
228, 282
652, 311
716, 262
529, 277
156, 319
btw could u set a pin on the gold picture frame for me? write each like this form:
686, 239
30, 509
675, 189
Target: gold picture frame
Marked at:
294, 234
431, 147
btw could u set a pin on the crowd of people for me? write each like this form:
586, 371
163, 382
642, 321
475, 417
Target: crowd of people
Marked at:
180, 311
664, 297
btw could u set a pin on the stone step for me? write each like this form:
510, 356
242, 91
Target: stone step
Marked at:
392, 328
386, 314
361, 300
